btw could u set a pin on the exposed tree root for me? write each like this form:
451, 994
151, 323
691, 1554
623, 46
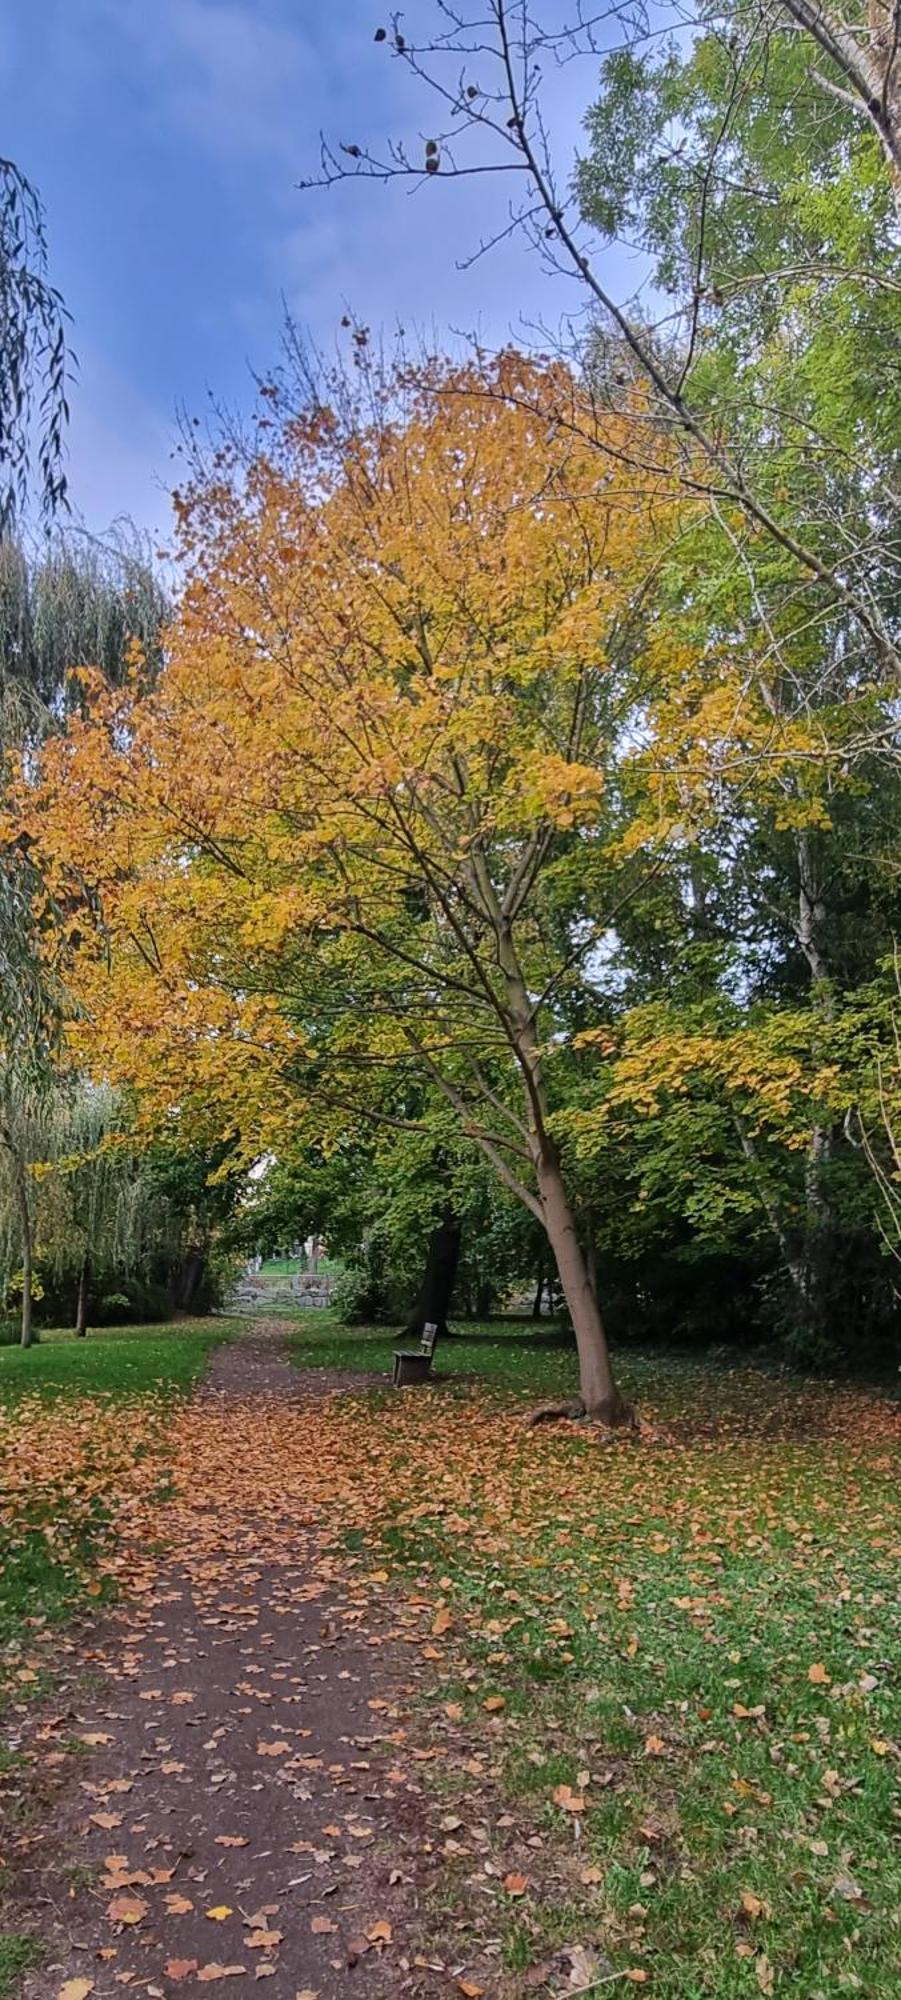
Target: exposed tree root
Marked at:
615, 1416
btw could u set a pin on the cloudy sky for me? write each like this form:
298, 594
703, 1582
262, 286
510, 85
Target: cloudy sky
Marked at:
167, 138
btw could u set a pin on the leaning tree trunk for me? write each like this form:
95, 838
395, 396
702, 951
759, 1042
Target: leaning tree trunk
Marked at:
432, 1303
602, 1400
81, 1309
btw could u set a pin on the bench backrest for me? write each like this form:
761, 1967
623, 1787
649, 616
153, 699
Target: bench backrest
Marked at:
429, 1337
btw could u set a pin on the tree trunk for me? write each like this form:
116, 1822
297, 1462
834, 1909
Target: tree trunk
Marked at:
81, 1309
433, 1299
600, 1395
538, 1300
21, 1180
190, 1278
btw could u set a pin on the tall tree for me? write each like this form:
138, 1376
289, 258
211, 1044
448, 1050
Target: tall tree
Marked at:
403, 660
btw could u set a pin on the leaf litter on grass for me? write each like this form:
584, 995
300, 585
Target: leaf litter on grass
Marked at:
642, 1764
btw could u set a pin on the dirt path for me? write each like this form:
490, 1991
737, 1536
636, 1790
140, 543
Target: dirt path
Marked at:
237, 1803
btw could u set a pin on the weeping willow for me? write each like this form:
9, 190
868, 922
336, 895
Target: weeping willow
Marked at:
75, 602
70, 1189
94, 1214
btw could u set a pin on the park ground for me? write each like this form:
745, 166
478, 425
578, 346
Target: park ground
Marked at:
310, 1683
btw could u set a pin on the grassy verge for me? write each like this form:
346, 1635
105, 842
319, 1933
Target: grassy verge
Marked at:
116, 1362
671, 1662
77, 1417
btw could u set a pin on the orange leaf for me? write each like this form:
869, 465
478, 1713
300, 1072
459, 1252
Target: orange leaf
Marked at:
127, 1910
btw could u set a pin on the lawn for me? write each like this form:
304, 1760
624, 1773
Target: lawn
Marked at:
116, 1361
81, 1421
674, 1660
659, 1673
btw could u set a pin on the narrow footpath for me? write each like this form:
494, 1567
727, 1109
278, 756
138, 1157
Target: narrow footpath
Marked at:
234, 1807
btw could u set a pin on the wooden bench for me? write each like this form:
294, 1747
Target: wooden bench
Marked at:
414, 1364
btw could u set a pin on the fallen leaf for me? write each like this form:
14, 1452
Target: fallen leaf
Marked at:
817, 1673
654, 1746
106, 1820
590, 1876
127, 1910
570, 1801
763, 1973
273, 1749
212, 1971
75, 1989
219, 1912
441, 1623
381, 1932
494, 1703
470, 1988
321, 1925
516, 1885
179, 1968
231, 1840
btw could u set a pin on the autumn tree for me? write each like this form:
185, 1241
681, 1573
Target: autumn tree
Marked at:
327, 848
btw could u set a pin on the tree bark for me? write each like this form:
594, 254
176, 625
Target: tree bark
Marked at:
600, 1395
190, 1278
81, 1309
26, 1336
432, 1303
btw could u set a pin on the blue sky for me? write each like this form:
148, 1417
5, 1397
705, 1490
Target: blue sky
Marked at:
167, 138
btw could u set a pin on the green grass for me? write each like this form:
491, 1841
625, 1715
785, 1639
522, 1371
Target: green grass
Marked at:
503, 1355
18, 1953
118, 1361
651, 1616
